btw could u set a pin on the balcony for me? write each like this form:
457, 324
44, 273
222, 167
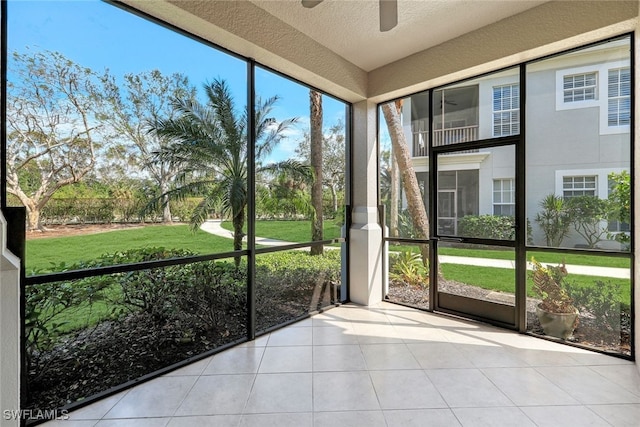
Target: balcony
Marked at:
442, 137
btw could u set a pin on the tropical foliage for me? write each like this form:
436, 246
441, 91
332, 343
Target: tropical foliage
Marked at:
210, 141
554, 219
620, 197
550, 285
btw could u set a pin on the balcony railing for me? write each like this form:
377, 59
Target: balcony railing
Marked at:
443, 137
420, 144
455, 135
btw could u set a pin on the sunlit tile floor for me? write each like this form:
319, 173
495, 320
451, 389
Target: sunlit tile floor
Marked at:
386, 365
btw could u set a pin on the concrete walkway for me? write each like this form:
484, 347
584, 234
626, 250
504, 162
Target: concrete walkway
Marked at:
587, 270
215, 227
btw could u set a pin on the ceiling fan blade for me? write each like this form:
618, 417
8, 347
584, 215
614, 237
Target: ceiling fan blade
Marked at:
388, 14
311, 3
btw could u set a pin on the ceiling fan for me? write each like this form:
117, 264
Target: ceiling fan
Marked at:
388, 12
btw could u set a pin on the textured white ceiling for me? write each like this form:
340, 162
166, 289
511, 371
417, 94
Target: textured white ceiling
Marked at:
350, 28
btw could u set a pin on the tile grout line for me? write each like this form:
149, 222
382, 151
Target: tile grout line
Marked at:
253, 383
313, 375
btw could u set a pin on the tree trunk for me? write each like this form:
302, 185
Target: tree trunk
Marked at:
334, 198
409, 179
166, 209
33, 219
393, 211
238, 234
315, 99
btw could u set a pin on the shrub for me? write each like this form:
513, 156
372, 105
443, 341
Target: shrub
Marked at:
296, 265
408, 268
183, 209
125, 208
620, 203
79, 210
603, 300
487, 226
587, 214
48, 306
490, 227
129, 209
293, 276
152, 291
212, 293
205, 296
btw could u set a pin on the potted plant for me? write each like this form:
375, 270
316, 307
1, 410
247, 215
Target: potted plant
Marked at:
556, 312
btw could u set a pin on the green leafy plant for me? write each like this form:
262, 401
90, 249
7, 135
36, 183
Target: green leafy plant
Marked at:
153, 290
490, 227
549, 283
406, 227
554, 219
211, 293
603, 300
407, 267
620, 200
297, 281
53, 309
587, 214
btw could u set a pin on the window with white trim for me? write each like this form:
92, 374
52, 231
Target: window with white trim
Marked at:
619, 94
506, 110
504, 197
580, 87
573, 186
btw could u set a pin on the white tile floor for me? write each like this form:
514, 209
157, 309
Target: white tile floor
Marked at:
383, 366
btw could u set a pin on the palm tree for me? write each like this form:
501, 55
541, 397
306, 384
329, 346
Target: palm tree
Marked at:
391, 112
315, 145
210, 142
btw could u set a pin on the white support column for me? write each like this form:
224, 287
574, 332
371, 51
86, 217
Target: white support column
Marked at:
365, 235
9, 332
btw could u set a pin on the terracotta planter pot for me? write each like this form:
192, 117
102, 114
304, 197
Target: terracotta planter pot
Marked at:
559, 325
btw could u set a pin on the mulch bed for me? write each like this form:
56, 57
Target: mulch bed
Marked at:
113, 353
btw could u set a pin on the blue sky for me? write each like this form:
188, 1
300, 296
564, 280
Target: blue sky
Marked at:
101, 36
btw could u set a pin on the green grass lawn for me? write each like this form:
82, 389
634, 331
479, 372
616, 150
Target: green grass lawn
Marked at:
290, 231
41, 253
44, 251
503, 279
543, 257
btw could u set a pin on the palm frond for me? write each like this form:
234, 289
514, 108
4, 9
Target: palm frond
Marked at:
290, 167
179, 193
221, 102
201, 212
271, 136
268, 136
